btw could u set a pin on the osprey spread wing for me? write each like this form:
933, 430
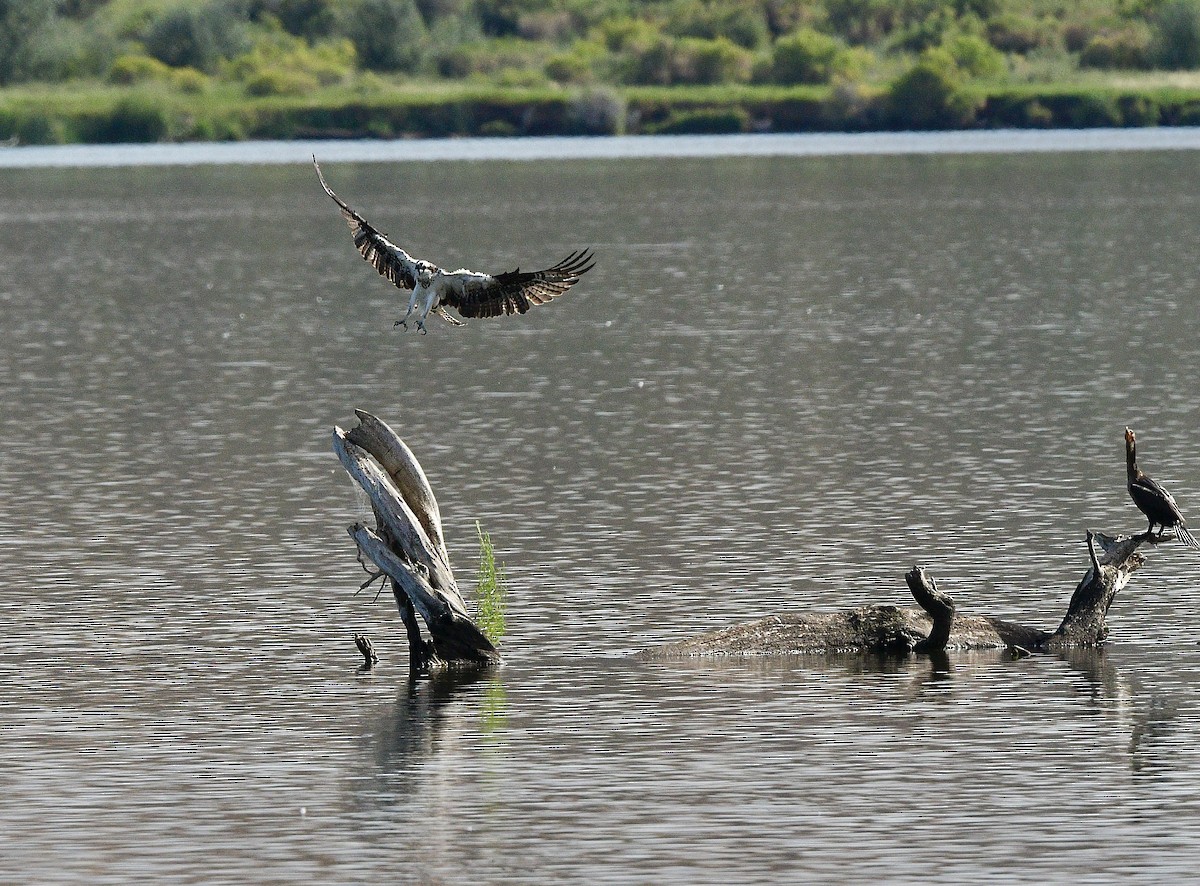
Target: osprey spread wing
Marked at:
470, 293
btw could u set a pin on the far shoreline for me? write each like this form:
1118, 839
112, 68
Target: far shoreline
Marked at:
622, 147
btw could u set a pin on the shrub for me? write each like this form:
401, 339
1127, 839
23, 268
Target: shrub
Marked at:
1016, 33
1176, 43
849, 104
452, 11
932, 30
578, 65
389, 35
190, 80
1124, 49
68, 50
1092, 110
34, 128
130, 69
805, 56
21, 21
311, 19
599, 111
865, 21
1022, 112
500, 18
1189, 115
497, 129
930, 95
622, 33
1138, 110
1076, 35
742, 23
702, 121
282, 58
198, 36
975, 56
550, 26
648, 64
280, 81
134, 119
701, 61
486, 58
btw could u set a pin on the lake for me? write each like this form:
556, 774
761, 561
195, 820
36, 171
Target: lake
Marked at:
788, 380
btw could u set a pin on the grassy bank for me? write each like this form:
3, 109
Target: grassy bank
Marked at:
151, 70
107, 114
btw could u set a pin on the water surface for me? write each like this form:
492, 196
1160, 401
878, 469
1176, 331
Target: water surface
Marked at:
787, 380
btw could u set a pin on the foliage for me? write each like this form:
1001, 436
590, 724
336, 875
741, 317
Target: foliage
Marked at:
199, 36
134, 119
1095, 110
21, 22
742, 23
1020, 34
389, 35
931, 94
1176, 42
486, 58
600, 111
580, 64
281, 64
704, 121
975, 56
491, 592
1120, 49
310, 19
229, 68
703, 60
806, 56
64, 49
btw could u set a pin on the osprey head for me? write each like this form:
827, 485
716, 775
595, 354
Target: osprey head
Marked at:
425, 272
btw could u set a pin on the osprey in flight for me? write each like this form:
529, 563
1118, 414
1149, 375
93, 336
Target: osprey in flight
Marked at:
470, 293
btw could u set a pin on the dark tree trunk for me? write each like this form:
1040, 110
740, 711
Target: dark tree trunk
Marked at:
407, 546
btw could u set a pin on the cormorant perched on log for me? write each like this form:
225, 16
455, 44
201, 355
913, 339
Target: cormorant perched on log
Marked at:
1152, 499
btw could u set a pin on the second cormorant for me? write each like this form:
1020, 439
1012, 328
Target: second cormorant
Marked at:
1152, 499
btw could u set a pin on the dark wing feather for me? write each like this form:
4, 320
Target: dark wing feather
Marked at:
1153, 500
386, 257
514, 292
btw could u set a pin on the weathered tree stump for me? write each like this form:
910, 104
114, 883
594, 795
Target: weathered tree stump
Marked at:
407, 546
937, 625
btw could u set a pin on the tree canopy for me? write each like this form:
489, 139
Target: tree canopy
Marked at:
287, 45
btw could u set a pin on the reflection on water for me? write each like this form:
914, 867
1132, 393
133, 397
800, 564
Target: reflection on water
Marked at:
787, 380
412, 734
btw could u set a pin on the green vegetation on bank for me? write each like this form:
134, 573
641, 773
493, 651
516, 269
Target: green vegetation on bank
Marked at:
153, 70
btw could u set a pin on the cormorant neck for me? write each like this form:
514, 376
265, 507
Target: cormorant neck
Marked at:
1131, 468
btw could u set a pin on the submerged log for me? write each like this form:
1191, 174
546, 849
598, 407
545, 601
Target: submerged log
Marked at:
407, 546
937, 625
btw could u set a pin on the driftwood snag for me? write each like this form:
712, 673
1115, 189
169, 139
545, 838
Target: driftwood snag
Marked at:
367, 648
937, 625
407, 546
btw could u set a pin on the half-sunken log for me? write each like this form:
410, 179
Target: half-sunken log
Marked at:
937, 626
407, 547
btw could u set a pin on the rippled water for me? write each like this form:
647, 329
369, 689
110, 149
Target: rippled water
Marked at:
787, 380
